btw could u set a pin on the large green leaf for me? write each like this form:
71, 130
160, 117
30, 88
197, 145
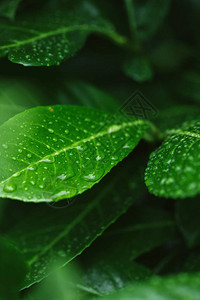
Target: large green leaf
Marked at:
109, 264
65, 233
46, 37
52, 153
173, 170
177, 287
13, 270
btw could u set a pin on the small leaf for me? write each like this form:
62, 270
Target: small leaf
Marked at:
63, 234
177, 287
138, 68
48, 36
52, 153
173, 170
187, 215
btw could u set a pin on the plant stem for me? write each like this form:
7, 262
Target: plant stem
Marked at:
153, 134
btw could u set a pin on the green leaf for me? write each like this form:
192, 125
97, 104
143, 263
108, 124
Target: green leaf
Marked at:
177, 287
109, 265
138, 68
12, 269
173, 170
8, 8
104, 277
52, 153
66, 233
187, 216
48, 36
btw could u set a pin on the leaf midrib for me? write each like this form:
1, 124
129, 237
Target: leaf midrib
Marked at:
84, 27
95, 136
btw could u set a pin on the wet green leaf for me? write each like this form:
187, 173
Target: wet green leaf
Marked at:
63, 234
46, 37
53, 153
173, 169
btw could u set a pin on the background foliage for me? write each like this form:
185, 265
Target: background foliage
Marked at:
131, 70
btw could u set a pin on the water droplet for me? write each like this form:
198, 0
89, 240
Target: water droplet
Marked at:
51, 130
5, 146
94, 176
66, 131
9, 187
29, 155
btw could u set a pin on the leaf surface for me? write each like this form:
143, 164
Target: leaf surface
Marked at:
173, 169
63, 234
52, 153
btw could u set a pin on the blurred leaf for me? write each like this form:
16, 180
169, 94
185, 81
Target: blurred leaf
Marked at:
177, 287
192, 263
109, 265
8, 8
188, 86
168, 56
85, 94
175, 116
138, 68
187, 215
12, 270
57, 286
149, 15
173, 169
17, 96
77, 226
